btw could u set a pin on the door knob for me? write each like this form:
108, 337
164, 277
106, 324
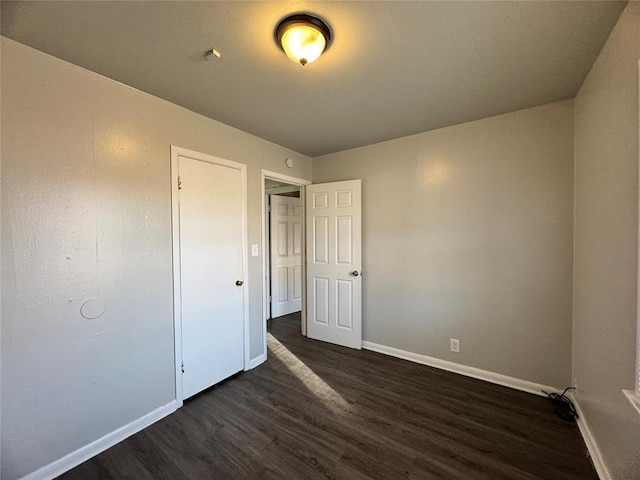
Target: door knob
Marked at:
354, 273
239, 283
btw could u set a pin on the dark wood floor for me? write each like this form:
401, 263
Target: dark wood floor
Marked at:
315, 410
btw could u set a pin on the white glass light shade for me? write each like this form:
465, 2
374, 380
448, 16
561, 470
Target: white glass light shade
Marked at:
303, 43
303, 37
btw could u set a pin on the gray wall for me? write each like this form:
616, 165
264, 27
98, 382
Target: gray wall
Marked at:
86, 212
606, 235
467, 234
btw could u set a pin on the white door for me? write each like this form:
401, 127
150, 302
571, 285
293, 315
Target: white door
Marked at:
286, 256
211, 272
334, 263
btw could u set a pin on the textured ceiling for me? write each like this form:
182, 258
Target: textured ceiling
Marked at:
394, 68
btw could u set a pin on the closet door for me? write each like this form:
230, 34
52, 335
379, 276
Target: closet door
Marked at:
211, 272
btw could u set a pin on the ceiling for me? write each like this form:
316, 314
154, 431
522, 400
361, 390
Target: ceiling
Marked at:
393, 69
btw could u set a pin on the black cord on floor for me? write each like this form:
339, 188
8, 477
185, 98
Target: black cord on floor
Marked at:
562, 405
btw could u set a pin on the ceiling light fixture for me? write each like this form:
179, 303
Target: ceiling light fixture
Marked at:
303, 37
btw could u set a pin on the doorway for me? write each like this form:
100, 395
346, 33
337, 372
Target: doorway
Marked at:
287, 195
331, 296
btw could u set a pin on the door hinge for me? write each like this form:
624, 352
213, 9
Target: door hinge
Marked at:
182, 367
179, 183
269, 208
269, 298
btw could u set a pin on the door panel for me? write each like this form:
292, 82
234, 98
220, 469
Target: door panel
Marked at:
321, 301
334, 263
344, 237
297, 282
344, 297
320, 240
211, 258
286, 256
282, 285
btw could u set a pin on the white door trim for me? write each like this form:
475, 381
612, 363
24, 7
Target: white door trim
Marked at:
267, 174
175, 244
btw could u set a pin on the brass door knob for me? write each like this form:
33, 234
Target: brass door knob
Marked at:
239, 283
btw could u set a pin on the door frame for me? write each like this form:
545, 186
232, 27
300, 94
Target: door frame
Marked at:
299, 182
175, 250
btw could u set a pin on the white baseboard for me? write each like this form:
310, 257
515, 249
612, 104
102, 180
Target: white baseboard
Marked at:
504, 380
590, 441
254, 362
83, 454
633, 398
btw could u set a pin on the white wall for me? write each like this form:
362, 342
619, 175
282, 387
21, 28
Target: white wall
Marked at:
606, 237
467, 234
86, 212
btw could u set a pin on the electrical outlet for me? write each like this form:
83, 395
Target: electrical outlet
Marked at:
455, 345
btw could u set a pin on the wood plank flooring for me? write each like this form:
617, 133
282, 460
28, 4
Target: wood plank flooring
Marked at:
315, 410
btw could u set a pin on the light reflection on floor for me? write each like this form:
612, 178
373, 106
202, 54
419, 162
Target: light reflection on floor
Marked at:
316, 385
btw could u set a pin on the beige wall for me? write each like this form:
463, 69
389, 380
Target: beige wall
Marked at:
86, 211
606, 235
467, 234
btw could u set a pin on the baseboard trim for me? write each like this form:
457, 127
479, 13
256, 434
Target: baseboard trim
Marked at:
254, 362
590, 442
83, 454
497, 378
